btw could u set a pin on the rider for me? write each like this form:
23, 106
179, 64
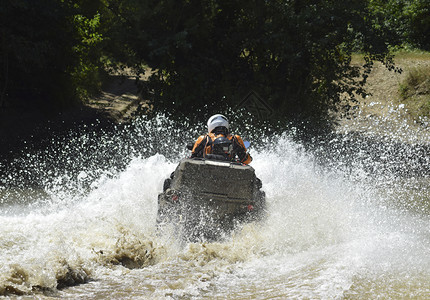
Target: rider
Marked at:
219, 144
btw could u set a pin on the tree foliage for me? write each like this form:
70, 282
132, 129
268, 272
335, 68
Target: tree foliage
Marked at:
209, 54
205, 55
409, 21
48, 51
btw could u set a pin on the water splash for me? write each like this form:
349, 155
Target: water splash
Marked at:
333, 230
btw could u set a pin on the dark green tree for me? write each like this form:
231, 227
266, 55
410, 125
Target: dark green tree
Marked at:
409, 21
207, 55
417, 15
49, 55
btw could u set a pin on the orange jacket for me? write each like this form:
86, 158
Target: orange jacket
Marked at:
203, 146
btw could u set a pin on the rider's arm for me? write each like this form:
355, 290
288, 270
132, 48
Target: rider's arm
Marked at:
199, 146
240, 149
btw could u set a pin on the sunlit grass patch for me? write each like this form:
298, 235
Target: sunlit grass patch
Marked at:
411, 54
415, 92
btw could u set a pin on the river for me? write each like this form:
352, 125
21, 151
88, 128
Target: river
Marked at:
77, 220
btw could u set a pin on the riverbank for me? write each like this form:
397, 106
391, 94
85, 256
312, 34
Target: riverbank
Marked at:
383, 111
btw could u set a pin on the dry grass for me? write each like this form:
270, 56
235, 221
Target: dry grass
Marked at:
415, 92
384, 109
412, 55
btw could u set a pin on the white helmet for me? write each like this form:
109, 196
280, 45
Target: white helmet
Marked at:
217, 121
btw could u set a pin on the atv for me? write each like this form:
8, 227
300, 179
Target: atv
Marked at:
207, 198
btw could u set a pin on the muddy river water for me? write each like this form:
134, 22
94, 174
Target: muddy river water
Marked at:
90, 233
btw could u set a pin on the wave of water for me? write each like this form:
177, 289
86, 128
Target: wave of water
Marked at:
87, 230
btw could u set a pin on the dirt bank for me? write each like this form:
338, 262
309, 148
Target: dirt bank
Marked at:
382, 111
